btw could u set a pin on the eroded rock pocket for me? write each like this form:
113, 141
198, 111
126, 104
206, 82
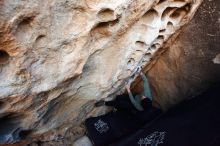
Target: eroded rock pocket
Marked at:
4, 57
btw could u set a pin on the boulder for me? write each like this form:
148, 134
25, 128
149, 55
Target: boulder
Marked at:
191, 63
58, 57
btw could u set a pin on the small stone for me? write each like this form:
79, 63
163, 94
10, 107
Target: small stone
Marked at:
83, 141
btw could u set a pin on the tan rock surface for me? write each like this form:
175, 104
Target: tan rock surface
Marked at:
191, 62
56, 57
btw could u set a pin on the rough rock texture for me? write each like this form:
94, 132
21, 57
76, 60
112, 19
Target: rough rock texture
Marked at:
56, 57
191, 62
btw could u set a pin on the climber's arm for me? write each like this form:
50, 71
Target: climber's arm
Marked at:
147, 92
131, 96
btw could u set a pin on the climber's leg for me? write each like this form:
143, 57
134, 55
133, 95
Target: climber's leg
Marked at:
120, 105
111, 103
117, 104
120, 99
121, 102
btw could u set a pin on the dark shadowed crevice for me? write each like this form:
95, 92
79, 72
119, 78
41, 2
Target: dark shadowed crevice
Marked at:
4, 57
23, 134
2, 105
10, 127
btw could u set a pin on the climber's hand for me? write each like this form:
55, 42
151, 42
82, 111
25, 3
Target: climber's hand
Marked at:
138, 70
127, 86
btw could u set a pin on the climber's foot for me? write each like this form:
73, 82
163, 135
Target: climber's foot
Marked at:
99, 103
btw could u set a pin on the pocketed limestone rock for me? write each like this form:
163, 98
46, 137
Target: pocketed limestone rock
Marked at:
58, 57
191, 63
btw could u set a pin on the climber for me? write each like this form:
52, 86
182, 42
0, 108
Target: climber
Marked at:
141, 102
127, 102
193, 122
131, 114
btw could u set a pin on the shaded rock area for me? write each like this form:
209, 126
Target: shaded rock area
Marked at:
191, 62
58, 57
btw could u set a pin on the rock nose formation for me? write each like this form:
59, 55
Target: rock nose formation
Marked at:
57, 57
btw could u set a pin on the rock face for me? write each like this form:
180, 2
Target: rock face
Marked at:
57, 57
191, 62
